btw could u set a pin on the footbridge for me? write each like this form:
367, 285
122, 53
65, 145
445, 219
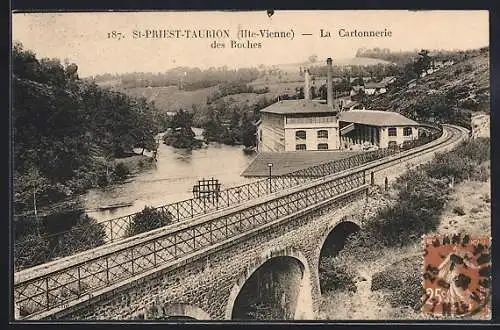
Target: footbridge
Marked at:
254, 249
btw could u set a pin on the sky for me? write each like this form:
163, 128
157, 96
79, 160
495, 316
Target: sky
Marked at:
82, 38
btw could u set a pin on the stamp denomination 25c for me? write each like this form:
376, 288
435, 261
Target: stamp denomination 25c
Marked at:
456, 276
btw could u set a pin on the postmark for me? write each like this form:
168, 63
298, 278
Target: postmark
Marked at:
456, 276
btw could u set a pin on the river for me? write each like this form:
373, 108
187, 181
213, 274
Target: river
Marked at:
171, 179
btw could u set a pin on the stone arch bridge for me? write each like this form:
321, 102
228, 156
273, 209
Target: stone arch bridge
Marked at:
259, 258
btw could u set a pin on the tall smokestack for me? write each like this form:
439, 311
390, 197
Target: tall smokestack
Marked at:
329, 91
307, 85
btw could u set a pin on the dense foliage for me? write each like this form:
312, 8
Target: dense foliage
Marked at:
66, 134
423, 192
179, 133
66, 130
148, 219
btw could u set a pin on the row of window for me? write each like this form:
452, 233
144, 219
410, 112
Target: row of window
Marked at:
323, 134
393, 131
321, 146
301, 135
311, 120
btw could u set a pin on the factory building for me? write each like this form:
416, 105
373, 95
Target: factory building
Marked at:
303, 125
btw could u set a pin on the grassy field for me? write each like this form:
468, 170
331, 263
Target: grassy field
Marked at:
170, 99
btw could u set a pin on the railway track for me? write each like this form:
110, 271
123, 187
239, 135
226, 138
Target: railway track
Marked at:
50, 288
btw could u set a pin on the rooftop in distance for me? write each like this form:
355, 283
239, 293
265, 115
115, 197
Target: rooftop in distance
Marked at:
298, 106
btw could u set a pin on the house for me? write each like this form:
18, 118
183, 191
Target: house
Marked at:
373, 88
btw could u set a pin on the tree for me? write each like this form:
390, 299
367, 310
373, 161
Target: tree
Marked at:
86, 234
248, 131
148, 219
30, 250
423, 63
35, 183
313, 58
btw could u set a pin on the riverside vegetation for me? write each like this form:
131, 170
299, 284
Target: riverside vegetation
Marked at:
69, 135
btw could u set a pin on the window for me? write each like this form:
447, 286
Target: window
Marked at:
407, 131
300, 135
300, 147
323, 146
393, 131
323, 134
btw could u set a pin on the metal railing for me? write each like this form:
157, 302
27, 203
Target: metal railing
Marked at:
59, 287
116, 229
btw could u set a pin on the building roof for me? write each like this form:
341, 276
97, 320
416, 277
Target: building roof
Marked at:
375, 85
298, 106
290, 161
376, 118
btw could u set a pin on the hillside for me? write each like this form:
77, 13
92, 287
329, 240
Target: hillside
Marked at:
170, 99
461, 88
353, 61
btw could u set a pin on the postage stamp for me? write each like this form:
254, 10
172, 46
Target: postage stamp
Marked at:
456, 276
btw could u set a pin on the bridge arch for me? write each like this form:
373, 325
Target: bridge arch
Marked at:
334, 239
285, 264
176, 311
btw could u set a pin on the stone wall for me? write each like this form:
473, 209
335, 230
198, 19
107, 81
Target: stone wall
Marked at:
212, 282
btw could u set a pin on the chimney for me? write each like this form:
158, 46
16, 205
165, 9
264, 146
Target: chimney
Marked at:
329, 91
307, 85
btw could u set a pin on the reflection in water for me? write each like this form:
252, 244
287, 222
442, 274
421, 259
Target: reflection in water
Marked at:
171, 180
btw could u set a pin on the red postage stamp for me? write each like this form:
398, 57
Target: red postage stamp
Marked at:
456, 276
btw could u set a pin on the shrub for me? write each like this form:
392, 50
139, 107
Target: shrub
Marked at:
459, 210
486, 198
481, 173
477, 150
403, 281
336, 275
148, 219
30, 250
86, 234
449, 165
120, 171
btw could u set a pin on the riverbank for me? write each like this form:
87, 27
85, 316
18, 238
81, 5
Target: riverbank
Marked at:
136, 163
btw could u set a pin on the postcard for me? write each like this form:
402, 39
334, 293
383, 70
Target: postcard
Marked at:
251, 165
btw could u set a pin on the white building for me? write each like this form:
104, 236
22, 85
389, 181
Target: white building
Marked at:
291, 125
300, 125
377, 128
